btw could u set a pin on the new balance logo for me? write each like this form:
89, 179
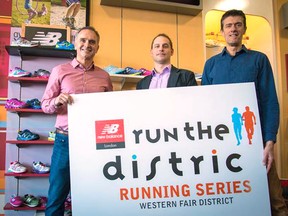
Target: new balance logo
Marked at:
110, 129
50, 39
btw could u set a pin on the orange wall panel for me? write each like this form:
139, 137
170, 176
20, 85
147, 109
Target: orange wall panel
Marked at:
107, 20
126, 36
139, 28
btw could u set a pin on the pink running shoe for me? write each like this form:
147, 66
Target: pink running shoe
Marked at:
16, 201
18, 72
14, 103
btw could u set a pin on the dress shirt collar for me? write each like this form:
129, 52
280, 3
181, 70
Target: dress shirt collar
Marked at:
243, 49
167, 69
76, 64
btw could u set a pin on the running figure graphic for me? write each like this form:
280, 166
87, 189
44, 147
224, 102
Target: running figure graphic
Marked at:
237, 124
250, 120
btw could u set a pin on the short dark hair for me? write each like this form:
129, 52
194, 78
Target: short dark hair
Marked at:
92, 29
162, 35
233, 12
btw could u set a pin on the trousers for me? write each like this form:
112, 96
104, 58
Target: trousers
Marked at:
59, 179
278, 206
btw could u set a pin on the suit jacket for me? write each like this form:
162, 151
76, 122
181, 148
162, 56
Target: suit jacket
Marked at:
178, 78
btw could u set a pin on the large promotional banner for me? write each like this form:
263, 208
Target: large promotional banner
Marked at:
166, 152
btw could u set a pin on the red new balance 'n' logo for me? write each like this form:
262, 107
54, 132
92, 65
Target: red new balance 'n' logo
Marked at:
110, 134
110, 129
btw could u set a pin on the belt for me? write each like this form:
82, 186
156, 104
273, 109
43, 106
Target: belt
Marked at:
60, 131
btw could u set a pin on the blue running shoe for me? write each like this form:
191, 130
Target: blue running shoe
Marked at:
40, 168
27, 135
18, 72
34, 103
65, 45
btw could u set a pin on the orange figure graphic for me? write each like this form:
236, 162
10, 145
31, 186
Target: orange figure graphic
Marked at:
250, 120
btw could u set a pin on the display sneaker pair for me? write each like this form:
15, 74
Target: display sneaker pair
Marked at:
51, 136
132, 71
145, 72
30, 200
111, 69
19, 72
14, 103
40, 168
17, 167
34, 103
16, 201
27, 135
23, 42
41, 73
65, 45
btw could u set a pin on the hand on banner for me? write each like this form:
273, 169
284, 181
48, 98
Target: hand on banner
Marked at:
268, 155
63, 99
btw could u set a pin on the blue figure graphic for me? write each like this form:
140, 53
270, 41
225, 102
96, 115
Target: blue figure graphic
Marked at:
237, 124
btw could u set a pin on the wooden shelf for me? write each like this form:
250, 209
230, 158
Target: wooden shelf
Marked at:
28, 79
40, 51
126, 78
26, 175
156, 5
119, 80
31, 142
8, 206
27, 110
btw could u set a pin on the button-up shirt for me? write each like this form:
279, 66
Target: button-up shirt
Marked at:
72, 78
160, 80
248, 66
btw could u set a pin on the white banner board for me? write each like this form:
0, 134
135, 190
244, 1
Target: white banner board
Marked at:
176, 151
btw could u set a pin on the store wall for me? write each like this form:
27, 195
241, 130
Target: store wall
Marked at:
282, 68
126, 35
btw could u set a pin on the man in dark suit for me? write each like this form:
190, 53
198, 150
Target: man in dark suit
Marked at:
165, 75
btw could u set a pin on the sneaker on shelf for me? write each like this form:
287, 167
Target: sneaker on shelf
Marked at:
27, 135
30, 200
42, 201
23, 42
14, 103
34, 103
17, 167
132, 71
65, 45
67, 202
40, 168
111, 69
16, 201
51, 136
145, 72
41, 73
19, 72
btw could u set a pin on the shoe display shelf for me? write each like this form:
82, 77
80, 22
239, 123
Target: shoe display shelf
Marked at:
26, 88
39, 51
27, 79
123, 81
8, 206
